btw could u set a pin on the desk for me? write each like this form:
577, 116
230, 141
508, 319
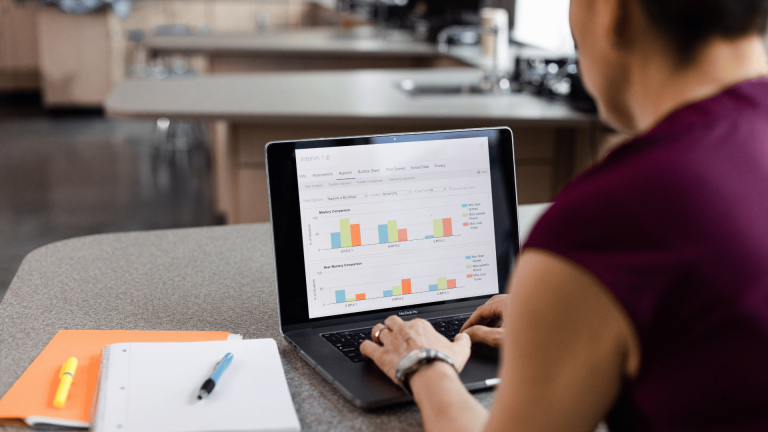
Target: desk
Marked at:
165, 280
312, 49
551, 139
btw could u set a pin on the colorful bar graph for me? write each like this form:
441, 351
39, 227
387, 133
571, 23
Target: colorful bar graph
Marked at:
442, 283
383, 235
346, 233
447, 227
451, 283
398, 290
350, 299
388, 293
335, 240
392, 231
406, 283
433, 287
356, 240
340, 297
402, 234
437, 224
359, 296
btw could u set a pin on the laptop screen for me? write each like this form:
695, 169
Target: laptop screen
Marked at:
396, 225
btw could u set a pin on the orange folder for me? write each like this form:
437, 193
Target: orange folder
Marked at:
31, 397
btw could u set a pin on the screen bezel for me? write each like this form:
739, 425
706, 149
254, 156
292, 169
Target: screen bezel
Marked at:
285, 216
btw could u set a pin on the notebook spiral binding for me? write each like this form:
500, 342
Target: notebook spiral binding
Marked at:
99, 399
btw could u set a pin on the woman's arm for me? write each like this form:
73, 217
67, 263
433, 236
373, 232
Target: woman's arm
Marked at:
567, 344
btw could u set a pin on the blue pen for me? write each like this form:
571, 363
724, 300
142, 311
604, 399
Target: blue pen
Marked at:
210, 383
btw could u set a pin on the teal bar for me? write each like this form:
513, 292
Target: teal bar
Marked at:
383, 234
335, 240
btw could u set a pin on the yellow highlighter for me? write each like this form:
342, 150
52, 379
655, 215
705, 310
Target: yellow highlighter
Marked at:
66, 375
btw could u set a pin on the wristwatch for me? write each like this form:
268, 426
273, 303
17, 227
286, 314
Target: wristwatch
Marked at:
415, 360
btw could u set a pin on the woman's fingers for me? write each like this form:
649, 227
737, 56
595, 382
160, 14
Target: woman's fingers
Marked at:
491, 311
491, 336
464, 341
370, 349
393, 322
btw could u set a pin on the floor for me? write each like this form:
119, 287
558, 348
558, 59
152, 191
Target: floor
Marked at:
64, 176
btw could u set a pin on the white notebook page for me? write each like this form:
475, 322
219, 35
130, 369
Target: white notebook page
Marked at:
153, 387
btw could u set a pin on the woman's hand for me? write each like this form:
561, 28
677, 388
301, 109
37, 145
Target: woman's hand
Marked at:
401, 337
484, 326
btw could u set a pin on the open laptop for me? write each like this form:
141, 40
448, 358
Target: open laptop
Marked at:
416, 225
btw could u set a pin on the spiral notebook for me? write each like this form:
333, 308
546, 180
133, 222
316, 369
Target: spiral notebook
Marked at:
153, 387
30, 401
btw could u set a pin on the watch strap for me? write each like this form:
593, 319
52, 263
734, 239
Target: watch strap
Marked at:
425, 357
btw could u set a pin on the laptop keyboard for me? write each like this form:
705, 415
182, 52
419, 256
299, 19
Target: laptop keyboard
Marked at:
348, 342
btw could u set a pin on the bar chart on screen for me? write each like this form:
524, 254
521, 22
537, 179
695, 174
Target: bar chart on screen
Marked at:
397, 223
378, 282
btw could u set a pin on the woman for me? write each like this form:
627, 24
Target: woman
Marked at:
641, 296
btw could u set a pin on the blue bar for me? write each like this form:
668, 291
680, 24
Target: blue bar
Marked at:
388, 293
429, 237
431, 288
340, 298
383, 234
463, 205
335, 240
469, 257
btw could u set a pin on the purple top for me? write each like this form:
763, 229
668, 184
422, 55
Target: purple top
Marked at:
675, 224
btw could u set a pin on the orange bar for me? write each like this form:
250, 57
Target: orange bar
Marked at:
355, 234
447, 227
466, 223
402, 234
451, 283
469, 276
359, 296
406, 284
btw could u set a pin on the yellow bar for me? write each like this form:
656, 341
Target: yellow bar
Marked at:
442, 283
66, 376
346, 233
437, 224
392, 231
398, 290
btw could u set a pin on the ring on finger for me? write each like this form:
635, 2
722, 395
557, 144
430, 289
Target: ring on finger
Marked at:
378, 332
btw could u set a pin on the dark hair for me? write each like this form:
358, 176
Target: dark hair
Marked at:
690, 23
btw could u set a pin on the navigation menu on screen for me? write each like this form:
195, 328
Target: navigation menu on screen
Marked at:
390, 225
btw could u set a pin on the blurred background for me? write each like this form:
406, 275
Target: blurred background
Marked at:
124, 115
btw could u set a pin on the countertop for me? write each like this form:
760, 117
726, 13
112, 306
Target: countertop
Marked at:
361, 96
165, 280
320, 42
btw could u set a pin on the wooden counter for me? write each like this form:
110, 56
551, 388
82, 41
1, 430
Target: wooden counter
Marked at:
308, 49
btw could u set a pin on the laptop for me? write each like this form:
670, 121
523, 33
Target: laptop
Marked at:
418, 225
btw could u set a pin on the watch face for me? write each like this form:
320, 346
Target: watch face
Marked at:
410, 360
